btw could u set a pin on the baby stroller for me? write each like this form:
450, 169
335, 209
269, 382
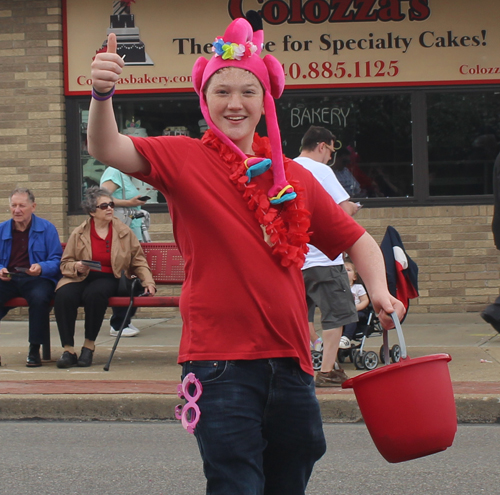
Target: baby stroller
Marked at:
368, 326
402, 280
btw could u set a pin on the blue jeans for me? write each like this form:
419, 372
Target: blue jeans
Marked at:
38, 291
118, 317
260, 430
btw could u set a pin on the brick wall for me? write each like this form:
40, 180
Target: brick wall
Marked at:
32, 121
453, 247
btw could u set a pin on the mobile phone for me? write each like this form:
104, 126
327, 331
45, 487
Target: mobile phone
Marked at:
21, 269
144, 198
93, 265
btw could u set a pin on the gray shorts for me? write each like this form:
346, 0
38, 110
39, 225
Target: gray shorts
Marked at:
327, 287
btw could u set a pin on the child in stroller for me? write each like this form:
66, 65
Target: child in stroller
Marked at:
362, 302
354, 335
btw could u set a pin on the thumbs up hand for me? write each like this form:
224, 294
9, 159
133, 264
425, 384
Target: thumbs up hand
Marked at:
107, 67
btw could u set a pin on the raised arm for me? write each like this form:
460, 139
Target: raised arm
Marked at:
105, 143
369, 262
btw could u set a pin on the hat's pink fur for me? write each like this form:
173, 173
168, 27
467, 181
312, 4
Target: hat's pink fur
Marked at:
268, 71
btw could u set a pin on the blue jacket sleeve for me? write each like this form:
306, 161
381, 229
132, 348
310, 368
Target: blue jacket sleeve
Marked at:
45, 249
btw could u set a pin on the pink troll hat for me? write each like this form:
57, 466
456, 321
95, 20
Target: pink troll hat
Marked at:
240, 47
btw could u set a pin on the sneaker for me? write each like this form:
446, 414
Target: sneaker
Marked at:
332, 378
345, 343
317, 345
67, 360
129, 331
340, 373
133, 327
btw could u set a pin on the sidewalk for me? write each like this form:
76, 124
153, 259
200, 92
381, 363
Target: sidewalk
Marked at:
142, 381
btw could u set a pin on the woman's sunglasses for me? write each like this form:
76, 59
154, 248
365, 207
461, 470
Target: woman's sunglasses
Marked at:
104, 206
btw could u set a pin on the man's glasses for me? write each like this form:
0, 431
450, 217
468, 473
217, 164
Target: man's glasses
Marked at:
336, 146
104, 206
330, 148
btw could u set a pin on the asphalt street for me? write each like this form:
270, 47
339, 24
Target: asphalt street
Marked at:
160, 458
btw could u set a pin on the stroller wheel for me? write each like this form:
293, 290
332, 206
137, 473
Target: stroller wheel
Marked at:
381, 354
395, 353
370, 360
358, 360
317, 360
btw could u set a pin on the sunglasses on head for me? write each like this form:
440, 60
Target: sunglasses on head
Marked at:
104, 206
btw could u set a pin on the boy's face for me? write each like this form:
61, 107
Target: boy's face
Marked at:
235, 101
350, 272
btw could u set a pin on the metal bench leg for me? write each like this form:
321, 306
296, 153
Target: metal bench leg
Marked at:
46, 351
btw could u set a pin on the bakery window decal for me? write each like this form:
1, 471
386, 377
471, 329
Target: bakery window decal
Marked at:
129, 45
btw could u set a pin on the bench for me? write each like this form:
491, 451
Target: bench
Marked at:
167, 267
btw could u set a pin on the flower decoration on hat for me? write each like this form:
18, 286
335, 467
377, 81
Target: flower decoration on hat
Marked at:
233, 51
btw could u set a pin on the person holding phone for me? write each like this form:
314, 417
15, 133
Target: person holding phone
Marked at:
126, 199
30, 253
104, 239
325, 279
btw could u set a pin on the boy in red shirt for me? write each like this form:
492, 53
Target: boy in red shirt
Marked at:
242, 228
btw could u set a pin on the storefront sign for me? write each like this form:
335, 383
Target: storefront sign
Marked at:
321, 43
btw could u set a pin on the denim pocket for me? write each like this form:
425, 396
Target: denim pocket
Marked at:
305, 378
205, 371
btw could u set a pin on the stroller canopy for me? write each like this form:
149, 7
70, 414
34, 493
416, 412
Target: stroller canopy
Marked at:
402, 271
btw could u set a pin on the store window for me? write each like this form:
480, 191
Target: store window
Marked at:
374, 139
138, 117
464, 131
396, 147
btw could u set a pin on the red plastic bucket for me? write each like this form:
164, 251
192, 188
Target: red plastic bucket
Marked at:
408, 407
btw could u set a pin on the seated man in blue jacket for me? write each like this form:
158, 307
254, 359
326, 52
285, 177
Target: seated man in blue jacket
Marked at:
30, 254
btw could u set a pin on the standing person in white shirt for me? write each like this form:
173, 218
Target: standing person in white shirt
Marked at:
326, 280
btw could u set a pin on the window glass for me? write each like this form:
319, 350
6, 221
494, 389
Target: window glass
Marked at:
374, 136
142, 117
463, 130
374, 132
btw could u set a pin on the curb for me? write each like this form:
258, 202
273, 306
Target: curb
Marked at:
147, 407
99, 407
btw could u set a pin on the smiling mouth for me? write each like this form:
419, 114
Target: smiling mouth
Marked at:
235, 119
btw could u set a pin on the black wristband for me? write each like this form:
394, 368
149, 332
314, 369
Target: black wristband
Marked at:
103, 95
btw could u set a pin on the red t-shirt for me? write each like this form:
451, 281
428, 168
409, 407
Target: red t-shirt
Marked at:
101, 248
238, 301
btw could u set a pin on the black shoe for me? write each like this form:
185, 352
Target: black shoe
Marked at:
34, 360
67, 360
85, 359
489, 319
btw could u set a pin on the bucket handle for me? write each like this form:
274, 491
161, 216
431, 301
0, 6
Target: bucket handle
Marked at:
399, 331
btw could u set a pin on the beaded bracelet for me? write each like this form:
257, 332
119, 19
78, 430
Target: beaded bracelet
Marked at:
102, 96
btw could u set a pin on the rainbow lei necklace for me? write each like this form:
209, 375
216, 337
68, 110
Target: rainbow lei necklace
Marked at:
287, 224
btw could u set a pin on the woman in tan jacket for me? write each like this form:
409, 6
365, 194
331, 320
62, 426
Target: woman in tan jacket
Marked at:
104, 239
